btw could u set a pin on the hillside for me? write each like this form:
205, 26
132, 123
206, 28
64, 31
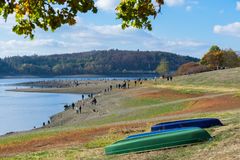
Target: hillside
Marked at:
93, 62
219, 80
5, 68
123, 112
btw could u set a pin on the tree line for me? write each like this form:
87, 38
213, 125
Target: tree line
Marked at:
214, 59
93, 62
217, 58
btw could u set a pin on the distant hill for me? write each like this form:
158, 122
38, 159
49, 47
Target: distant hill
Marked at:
5, 68
92, 62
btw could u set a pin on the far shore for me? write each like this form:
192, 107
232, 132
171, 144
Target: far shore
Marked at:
69, 86
130, 74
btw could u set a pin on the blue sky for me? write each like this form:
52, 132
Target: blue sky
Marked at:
186, 27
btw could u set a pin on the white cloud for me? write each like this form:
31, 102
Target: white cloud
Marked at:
9, 23
232, 29
110, 29
238, 5
29, 47
112, 36
185, 43
188, 8
107, 5
172, 3
187, 4
16, 44
85, 37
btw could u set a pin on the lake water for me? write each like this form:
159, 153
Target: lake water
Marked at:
22, 111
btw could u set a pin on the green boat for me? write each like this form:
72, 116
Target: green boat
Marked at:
159, 141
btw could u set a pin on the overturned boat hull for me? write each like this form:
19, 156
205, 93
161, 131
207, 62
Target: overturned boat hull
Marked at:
159, 132
158, 141
201, 122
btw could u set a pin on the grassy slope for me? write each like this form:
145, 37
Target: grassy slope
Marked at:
216, 149
220, 81
215, 81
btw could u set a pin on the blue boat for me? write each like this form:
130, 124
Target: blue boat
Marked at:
201, 122
159, 132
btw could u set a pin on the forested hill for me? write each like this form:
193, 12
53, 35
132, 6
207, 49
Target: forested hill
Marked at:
93, 62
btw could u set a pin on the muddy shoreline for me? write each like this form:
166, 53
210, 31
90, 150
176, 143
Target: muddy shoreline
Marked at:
67, 86
91, 89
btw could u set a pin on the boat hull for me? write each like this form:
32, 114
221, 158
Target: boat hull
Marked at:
158, 141
202, 123
159, 132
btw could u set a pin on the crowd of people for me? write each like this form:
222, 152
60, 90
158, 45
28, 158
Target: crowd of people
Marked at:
168, 78
91, 100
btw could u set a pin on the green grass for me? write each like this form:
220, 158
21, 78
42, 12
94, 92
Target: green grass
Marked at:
103, 141
152, 112
91, 149
136, 114
66, 154
138, 102
21, 137
223, 78
214, 81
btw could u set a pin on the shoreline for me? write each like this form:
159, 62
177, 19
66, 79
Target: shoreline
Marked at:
103, 76
67, 86
57, 90
87, 88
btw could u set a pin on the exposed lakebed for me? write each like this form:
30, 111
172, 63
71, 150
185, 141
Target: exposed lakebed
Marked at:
22, 110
